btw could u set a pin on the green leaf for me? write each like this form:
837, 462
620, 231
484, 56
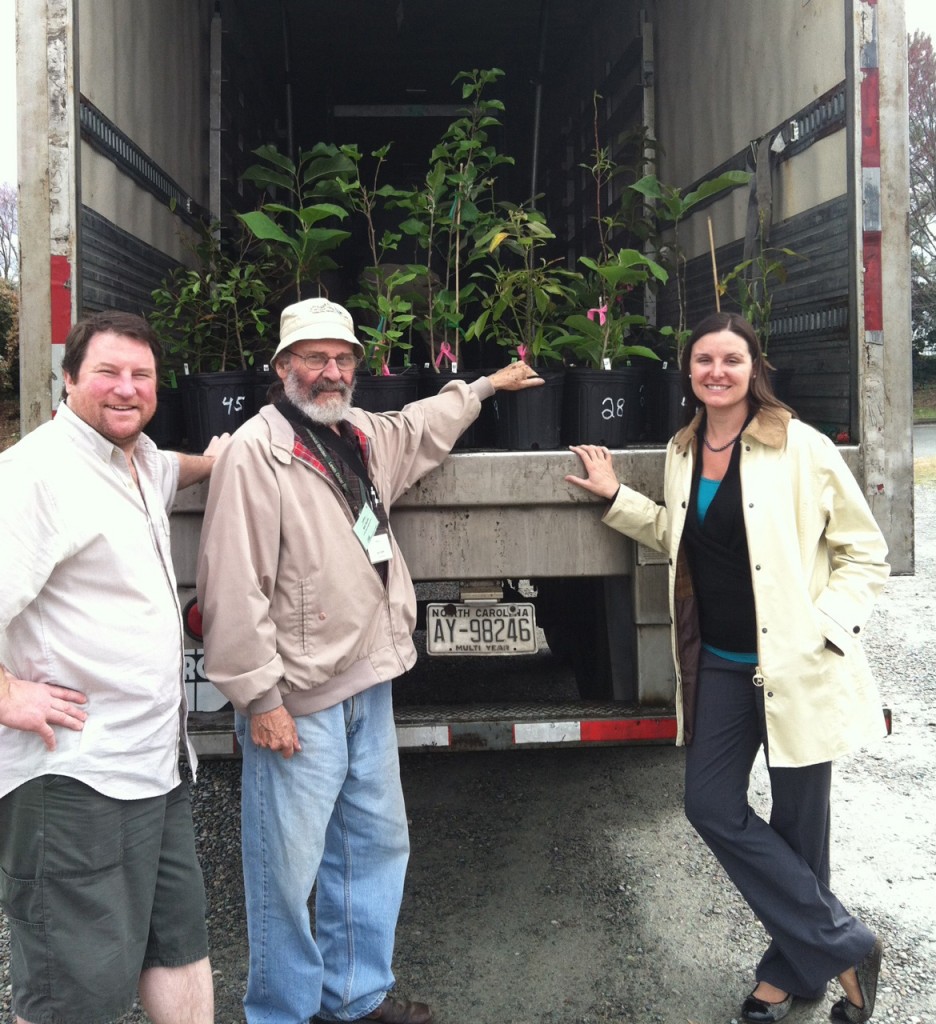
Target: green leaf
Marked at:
648, 186
323, 238
273, 155
264, 227
336, 166
412, 226
320, 211
266, 176
642, 350
584, 326
730, 179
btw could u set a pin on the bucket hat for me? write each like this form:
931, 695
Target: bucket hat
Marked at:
316, 320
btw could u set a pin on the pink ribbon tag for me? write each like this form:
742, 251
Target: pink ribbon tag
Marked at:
602, 312
522, 353
444, 353
385, 370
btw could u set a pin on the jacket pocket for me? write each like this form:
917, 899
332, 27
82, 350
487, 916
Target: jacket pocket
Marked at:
305, 610
820, 622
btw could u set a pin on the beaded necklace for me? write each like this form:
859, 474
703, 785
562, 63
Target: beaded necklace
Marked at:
734, 440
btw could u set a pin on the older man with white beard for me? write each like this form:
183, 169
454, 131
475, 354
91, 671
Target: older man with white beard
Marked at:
308, 613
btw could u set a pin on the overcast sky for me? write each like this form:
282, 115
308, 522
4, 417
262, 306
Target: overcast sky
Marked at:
7, 92
921, 14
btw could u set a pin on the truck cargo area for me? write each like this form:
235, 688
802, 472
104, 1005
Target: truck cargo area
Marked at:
139, 120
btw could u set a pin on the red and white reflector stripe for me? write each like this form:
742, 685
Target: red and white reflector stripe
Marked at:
871, 235
423, 736
546, 732
598, 730
504, 734
629, 730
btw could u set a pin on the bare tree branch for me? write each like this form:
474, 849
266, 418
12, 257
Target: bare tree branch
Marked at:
9, 241
922, 102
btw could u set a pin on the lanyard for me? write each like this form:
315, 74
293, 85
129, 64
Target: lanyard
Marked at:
338, 453
366, 491
371, 527
328, 443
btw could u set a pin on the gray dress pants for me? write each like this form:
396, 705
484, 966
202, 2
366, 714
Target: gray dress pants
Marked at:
780, 867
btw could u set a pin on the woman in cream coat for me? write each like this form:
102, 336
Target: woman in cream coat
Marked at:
775, 561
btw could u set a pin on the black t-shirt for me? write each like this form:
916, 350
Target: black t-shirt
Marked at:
718, 561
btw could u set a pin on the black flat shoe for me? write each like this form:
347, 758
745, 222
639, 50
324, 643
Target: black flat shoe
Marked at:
867, 972
837, 1010
759, 1011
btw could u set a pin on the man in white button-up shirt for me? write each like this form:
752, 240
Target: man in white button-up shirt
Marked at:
99, 879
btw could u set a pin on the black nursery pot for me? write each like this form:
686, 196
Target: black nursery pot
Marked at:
602, 406
167, 427
483, 432
215, 403
666, 403
380, 393
530, 420
260, 387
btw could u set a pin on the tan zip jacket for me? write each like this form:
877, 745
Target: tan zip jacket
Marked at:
817, 563
294, 613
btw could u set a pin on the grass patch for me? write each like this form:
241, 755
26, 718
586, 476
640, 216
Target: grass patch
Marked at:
924, 470
924, 404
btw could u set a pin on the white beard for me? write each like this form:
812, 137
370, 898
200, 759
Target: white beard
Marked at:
303, 397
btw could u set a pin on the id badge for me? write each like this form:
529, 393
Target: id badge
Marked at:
379, 549
366, 527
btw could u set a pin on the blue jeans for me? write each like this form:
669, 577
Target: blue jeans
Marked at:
332, 815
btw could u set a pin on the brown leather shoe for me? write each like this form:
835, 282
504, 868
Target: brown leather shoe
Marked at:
401, 1011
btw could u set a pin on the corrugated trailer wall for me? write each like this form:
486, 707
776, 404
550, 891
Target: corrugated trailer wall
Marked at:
749, 71
825, 80
144, 107
741, 71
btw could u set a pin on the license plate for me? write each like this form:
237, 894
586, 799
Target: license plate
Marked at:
480, 628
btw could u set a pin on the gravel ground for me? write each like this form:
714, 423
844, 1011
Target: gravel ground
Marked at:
565, 885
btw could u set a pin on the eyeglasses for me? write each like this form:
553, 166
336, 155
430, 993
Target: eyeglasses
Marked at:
318, 360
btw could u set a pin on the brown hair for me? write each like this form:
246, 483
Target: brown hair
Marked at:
761, 394
119, 322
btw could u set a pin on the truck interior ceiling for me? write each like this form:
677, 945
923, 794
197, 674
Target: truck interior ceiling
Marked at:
372, 72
